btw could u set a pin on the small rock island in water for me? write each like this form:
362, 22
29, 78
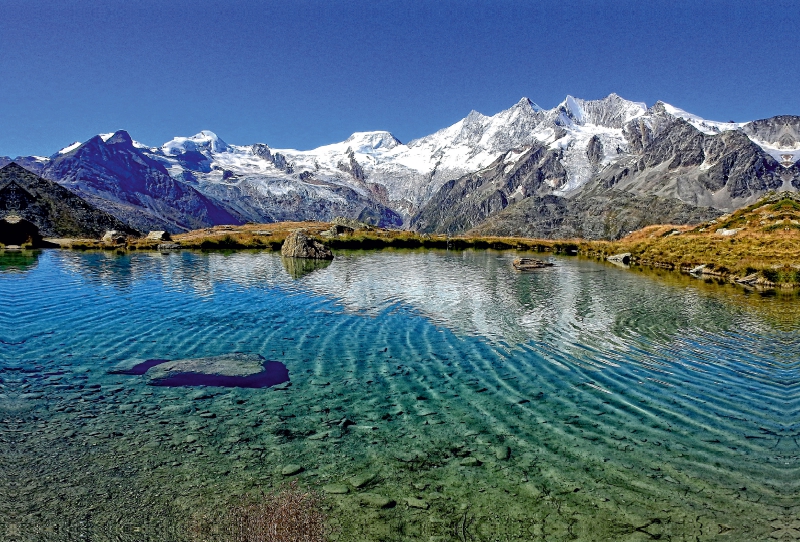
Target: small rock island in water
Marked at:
229, 370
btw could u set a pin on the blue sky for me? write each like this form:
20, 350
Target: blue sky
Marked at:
305, 73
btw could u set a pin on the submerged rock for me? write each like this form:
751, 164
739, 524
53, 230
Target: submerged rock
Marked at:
291, 470
362, 480
229, 370
299, 245
336, 489
377, 501
502, 453
413, 502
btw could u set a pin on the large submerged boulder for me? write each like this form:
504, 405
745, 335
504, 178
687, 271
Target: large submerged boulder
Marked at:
230, 370
300, 245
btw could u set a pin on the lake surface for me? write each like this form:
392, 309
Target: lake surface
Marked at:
579, 402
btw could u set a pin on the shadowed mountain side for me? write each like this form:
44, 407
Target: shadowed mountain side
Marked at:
117, 177
56, 211
674, 174
675, 159
609, 214
464, 203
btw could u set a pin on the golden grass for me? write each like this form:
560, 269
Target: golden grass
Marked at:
766, 242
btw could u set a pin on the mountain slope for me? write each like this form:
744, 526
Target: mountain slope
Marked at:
669, 171
118, 177
56, 211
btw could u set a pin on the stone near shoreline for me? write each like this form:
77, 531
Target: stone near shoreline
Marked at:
300, 245
527, 264
624, 258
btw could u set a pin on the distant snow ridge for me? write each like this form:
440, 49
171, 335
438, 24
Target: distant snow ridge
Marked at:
375, 176
588, 134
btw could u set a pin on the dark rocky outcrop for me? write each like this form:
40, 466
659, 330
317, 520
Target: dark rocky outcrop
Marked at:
603, 214
16, 231
278, 160
675, 159
353, 167
594, 150
299, 245
54, 210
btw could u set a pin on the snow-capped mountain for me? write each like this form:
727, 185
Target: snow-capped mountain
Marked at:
576, 148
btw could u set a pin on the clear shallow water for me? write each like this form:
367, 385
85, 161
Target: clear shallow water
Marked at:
580, 402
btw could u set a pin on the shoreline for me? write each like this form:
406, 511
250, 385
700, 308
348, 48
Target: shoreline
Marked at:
758, 279
756, 247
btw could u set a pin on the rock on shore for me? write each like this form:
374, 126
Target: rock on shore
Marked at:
299, 245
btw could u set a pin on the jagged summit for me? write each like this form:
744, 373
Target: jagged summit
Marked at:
372, 140
527, 103
206, 140
120, 136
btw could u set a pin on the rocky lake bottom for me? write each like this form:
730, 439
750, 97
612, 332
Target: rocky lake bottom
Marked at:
431, 395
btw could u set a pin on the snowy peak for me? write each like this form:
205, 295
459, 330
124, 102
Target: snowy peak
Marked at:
119, 137
204, 141
526, 103
69, 148
366, 142
570, 111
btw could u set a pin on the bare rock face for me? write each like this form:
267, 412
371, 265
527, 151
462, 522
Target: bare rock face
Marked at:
299, 245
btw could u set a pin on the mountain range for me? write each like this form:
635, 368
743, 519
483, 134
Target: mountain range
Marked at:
588, 168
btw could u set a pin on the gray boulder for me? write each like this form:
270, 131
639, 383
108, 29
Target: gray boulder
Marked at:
299, 245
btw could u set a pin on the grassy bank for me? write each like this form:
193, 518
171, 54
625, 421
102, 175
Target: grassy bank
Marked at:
757, 245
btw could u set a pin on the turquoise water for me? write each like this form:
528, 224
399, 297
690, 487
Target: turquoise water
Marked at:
579, 402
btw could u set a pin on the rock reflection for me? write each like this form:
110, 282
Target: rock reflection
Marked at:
300, 267
18, 261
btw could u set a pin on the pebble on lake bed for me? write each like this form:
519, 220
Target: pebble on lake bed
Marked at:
377, 501
360, 480
502, 453
336, 489
291, 470
413, 502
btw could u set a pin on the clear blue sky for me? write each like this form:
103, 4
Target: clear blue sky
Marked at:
305, 73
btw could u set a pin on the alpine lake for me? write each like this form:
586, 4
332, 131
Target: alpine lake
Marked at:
431, 395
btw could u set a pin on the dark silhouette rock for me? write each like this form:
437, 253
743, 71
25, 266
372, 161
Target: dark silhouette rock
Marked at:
14, 230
